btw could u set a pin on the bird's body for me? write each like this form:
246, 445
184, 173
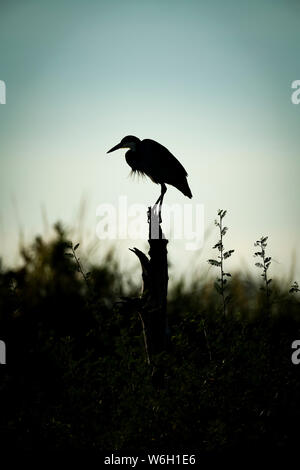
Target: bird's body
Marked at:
150, 158
155, 161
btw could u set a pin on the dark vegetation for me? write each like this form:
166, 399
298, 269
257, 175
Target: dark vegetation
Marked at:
77, 377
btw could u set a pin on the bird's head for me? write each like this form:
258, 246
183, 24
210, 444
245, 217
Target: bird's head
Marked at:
128, 142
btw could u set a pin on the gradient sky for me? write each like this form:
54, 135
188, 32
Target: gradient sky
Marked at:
211, 80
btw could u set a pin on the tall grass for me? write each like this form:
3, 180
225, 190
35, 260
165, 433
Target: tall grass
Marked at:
76, 375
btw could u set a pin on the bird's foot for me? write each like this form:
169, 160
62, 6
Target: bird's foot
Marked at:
159, 215
156, 212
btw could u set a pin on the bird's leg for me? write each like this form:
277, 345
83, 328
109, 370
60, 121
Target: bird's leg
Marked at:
163, 192
158, 200
161, 198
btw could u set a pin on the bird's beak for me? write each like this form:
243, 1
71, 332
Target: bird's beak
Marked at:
116, 147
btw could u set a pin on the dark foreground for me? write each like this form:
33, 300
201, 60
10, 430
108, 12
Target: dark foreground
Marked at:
76, 377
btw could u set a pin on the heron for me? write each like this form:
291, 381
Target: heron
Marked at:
148, 157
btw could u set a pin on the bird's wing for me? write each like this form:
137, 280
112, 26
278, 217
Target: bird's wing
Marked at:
161, 162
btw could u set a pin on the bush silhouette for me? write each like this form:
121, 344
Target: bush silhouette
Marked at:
76, 375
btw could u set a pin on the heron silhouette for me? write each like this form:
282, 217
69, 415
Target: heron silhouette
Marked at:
147, 157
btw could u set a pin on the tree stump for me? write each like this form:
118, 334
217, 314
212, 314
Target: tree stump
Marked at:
153, 311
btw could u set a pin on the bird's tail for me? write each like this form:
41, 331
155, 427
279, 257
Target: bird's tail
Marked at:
185, 189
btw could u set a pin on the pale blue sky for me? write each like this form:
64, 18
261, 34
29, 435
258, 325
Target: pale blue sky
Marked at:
211, 80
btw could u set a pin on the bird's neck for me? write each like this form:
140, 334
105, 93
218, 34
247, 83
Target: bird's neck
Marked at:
132, 146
